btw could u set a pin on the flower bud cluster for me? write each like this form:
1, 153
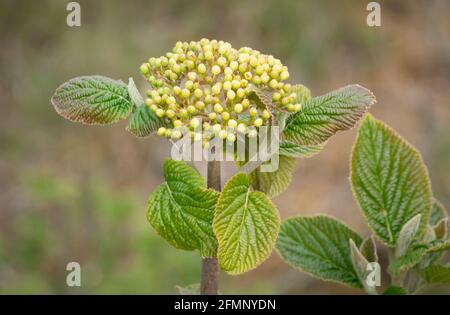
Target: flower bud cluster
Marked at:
211, 82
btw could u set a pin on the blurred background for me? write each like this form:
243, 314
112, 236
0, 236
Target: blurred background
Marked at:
78, 193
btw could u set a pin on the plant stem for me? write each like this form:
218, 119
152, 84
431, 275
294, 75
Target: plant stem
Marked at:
210, 268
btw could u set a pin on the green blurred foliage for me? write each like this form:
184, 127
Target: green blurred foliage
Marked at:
77, 193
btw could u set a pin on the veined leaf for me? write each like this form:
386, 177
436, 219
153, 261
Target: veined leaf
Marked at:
436, 274
274, 183
407, 235
323, 116
415, 254
438, 212
300, 151
181, 209
389, 180
144, 122
368, 249
246, 225
320, 246
94, 100
133, 91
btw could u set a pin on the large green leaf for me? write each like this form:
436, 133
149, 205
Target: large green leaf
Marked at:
323, 116
389, 180
299, 151
436, 274
144, 122
415, 254
246, 225
95, 100
181, 209
274, 183
320, 246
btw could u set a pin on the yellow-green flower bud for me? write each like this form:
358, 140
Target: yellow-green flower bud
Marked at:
161, 131
191, 109
177, 123
216, 88
232, 123
160, 112
199, 105
194, 123
273, 83
276, 96
245, 103
216, 128
218, 108
238, 108
183, 113
253, 111
201, 68
265, 114
198, 93
258, 122
234, 65
241, 128
225, 115
170, 113
297, 107
222, 134
222, 61
144, 68
176, 134
227, 85
228, 71
168, 133
284, 75
185, 93
235, 84
240, 93
215, 70
212, 116
231, 95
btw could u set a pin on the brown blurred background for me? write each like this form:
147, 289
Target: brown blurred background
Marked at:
76, 193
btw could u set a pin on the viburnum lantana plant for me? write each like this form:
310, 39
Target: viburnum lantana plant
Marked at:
221, 98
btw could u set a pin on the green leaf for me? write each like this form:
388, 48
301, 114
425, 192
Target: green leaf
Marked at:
246, 225
436, 274
144, 122
415, 254
368, 249
181, 210
299, 151
94, 100
441, 229
133, 91
394, 290
389, 180
323, 116
438, 212
274, 183
320, 246
192, 289
407, 235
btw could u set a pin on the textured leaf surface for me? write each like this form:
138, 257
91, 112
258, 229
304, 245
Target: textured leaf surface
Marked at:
320, 246
415, 254
438, 212
93, 100
369, 249
246, 225
181, 210
407, 235
389, 180
436, 274
299, 151
144, 122
274, 183
323, 116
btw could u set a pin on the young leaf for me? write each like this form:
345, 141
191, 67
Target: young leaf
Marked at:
360, 264
438, 212
144, 122
394, 290
320, 246
436, 274
94, 100
407, 235
181, 209
299, 151
415, 254
246, 225
323, 116
274, 183
133, 91
368, 249
389, 180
